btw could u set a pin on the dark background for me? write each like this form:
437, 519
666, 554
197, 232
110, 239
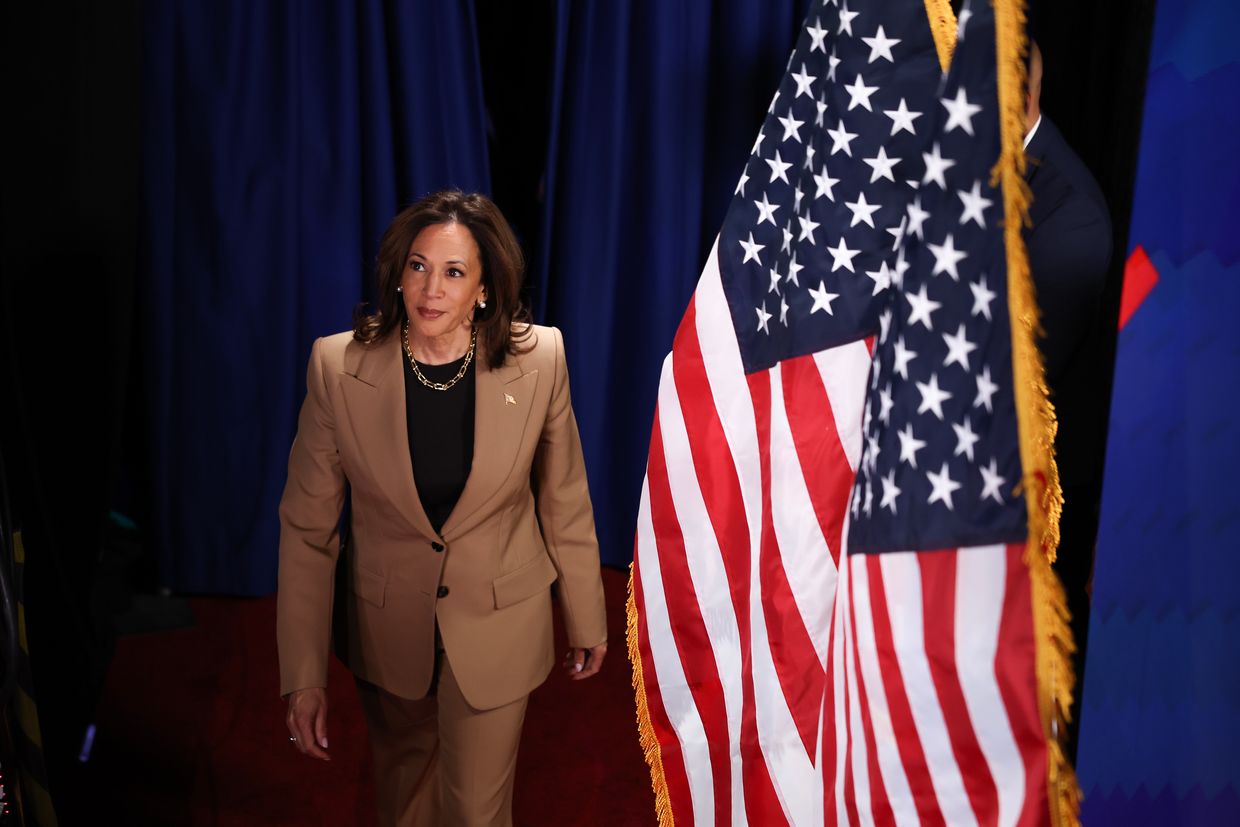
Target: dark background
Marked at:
70, 420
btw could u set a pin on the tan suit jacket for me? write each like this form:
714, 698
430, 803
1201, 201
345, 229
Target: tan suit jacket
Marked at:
523, 521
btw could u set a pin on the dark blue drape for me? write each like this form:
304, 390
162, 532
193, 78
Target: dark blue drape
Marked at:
1160, 716
279, 138
654, 109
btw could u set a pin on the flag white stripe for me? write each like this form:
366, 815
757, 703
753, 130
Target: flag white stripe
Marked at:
981, 573
839, 689
818, 751
673, 689
902, 586
890, 764
710, 579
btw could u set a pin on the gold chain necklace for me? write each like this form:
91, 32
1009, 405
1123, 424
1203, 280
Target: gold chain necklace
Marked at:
439, 386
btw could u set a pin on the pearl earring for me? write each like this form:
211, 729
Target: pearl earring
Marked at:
399, 289
482, 305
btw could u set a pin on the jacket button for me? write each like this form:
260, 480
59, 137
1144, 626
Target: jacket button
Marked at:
437, 546
443, 591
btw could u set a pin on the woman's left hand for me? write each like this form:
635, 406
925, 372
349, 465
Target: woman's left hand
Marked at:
583, 663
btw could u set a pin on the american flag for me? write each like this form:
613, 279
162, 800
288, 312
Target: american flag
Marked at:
833, 619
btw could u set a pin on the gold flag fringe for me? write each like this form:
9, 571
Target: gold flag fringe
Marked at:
1036, 420
943, 28
645, 731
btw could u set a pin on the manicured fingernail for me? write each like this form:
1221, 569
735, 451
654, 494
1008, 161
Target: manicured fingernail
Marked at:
323, 743
577, 667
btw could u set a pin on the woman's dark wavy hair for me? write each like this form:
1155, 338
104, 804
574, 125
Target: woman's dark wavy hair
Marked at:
503, 269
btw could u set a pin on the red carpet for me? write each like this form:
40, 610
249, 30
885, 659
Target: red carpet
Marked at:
191, 732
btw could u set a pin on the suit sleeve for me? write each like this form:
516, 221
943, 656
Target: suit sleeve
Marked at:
309, 538
567, 516
1069, 260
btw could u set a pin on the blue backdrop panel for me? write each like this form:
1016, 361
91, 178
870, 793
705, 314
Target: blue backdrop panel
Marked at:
279, 140
1160, 718
654, 109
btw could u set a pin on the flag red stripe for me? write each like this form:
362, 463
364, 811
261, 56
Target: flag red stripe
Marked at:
721, 493
791, 647
908, 742
1015, 664
712, 463
828, 763
938, 582
688, 630
828, 476
670, 756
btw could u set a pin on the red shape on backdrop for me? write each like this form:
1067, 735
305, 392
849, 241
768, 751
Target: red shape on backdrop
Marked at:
1140, 276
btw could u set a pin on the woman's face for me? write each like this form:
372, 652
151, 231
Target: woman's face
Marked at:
442, 281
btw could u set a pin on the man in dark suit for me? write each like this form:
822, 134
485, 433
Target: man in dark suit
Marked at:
1069, 246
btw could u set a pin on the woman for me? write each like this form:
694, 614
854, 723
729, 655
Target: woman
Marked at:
449, 420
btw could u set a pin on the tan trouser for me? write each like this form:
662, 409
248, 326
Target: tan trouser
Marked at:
438, 761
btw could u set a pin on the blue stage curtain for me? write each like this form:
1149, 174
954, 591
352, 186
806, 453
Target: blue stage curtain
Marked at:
1160, 716
279, 138
654, 109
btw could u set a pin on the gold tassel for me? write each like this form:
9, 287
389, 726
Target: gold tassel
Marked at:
1055, 679
1036, 420
645, 732
943, 28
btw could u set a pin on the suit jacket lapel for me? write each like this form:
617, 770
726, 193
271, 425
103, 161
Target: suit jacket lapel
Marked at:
374, 393
501, 410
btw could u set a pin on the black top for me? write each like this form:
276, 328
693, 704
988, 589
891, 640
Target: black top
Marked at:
441, 436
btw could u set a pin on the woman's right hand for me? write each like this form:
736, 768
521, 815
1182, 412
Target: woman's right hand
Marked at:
307, 721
